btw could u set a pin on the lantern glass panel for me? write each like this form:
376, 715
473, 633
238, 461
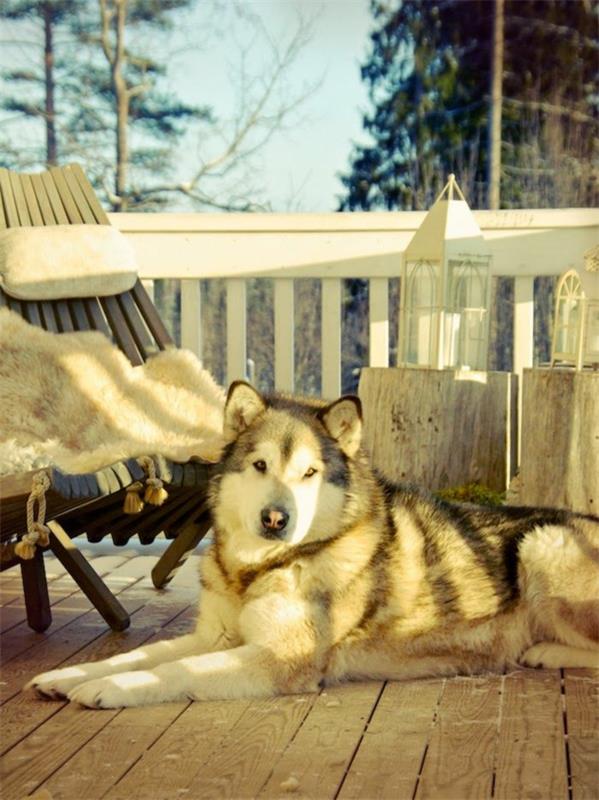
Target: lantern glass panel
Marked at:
465, 334
567, 318
591, 334
420, 312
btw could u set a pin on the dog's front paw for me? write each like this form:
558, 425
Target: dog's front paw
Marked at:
541, 656
57, 683
99, 693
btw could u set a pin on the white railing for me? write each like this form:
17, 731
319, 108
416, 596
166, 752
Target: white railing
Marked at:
331, 247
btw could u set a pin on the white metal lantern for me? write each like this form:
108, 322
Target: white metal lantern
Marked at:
576, 323
444, 317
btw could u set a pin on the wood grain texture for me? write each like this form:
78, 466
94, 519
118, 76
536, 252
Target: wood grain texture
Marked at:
324, 746
460, 758
560, 469
582, 720
440, 428
531, 753
390, 755
243, 764
439, 739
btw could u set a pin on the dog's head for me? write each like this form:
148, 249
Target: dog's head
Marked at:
286, 467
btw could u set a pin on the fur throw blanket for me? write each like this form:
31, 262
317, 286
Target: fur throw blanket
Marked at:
73, 400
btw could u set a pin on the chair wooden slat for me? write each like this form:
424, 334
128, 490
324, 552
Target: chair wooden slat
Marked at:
12, 216
65, 195
136, 324
79, 315
31, 201
121, 332
61, 309
48, 317
54, 199
151, 317
89, 193
39, 188
15, 305
32, 313
84, 196
79, 198
19, 195
96, 316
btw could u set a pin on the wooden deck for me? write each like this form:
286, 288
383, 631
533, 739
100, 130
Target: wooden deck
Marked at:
529, 734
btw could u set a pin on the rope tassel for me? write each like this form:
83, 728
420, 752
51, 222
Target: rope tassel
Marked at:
38, 533
155, 493
133, 503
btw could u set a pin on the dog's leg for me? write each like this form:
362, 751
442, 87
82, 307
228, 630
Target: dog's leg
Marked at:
357, 662
246, 671
552, 655
58, 682
208, 636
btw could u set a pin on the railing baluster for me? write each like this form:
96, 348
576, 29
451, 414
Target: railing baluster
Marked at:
331, 337
378, 309
284, 334
523, 347
236, 330
191, 316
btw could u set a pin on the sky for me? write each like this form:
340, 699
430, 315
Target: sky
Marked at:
297, 169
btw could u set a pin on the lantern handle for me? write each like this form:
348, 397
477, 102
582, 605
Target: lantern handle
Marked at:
449, 188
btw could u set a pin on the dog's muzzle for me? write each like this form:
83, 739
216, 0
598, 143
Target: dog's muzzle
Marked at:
274, 521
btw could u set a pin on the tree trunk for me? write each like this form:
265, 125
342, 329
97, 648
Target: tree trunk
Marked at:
51, 148
494, 176
122, 107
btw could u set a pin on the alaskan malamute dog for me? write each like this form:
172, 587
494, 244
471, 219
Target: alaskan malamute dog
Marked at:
321, 571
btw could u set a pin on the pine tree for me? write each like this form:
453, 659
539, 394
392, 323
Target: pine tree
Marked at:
36, 89
428, 76
425, 73
125, 114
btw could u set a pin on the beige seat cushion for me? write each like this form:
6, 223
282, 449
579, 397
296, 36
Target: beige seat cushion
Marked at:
61, 261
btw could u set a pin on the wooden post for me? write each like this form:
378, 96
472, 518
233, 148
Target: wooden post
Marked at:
440, 428
560, 439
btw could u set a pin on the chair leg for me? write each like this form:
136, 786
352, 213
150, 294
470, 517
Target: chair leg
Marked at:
179, 550
35, 589
87, 578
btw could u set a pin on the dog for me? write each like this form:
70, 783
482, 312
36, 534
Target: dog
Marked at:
321, 571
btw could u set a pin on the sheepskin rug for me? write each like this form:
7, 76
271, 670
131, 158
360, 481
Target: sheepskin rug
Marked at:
74, 401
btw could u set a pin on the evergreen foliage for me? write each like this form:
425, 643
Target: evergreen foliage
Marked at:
428, 76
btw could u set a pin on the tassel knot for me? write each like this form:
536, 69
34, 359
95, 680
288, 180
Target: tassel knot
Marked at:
133, 502
155, 493
38, 534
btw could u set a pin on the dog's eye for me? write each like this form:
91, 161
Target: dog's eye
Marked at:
310, 472
260, 465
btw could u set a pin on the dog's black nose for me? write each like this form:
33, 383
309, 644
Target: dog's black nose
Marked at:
274, 519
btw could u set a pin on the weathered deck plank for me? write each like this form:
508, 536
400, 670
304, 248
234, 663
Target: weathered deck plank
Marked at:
391, 753
460, 757
324, 747
489, 737
582, 720
531, 752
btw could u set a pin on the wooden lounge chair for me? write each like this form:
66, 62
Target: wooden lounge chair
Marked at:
92, 504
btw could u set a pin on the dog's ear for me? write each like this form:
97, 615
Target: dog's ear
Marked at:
343, 421
242, 406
